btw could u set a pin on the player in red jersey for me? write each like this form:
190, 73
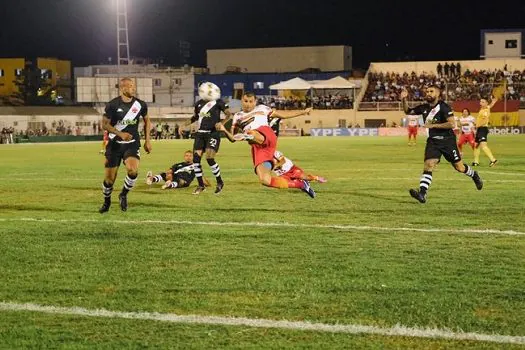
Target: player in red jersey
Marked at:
412, 125
283, 166
468, 130
253, 121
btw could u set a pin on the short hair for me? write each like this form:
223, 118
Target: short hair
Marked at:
434, 86
188, 151
249, 94
468, 110
124, 80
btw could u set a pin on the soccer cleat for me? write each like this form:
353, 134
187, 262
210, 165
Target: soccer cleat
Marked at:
308, 189
105, 207
477, 180
199, 190
149, 178
123, 199
493, 163
166, 185
475, 164
219, 187
422, 198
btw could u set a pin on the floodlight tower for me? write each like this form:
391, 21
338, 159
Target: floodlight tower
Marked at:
122, 34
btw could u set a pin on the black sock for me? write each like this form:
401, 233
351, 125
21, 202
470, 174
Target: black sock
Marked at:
107, 189
215, 169
425, 181
468, 171
158, 178
198, 169
129, 182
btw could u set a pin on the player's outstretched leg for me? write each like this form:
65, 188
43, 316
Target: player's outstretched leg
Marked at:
198, 173
467, 170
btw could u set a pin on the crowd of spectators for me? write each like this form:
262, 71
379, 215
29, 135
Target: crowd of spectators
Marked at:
7, 135
336, 101
470, 85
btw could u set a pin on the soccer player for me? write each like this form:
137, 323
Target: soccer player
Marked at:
283, 166
413, 123
468, 129
253, 121
177, 176
482, 126
121, 120
439, 119
208, 138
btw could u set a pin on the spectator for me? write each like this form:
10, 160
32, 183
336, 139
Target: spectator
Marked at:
458, 69
439, 70
446, 69
452, 70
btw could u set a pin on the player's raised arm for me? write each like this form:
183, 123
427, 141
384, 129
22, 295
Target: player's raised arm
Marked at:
493, 102
229, 135
289, 115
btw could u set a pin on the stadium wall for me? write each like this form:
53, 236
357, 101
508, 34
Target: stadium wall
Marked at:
280, 59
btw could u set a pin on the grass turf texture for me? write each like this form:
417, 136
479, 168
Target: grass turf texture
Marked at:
467, 281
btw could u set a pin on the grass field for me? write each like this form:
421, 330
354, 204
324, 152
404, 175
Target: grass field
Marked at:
363, 253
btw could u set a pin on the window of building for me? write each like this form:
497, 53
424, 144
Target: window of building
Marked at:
177, 81
46, 73
491, 42
18, 72
511, 44
1, 72
258, 85
157, 82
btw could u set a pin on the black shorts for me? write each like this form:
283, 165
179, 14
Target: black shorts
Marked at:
482, 134
204, 141
183, 181
116, 152
447, 148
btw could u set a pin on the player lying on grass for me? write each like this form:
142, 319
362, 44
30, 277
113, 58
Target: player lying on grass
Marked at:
178, 176
284, 167
253, 121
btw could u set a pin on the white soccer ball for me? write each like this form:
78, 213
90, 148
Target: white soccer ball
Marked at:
209, 91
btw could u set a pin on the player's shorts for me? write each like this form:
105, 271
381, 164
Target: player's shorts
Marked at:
118, 152
265, 151
467, 138
446, 147
412, 131
207, 140
182, 180
294, 173
482, 134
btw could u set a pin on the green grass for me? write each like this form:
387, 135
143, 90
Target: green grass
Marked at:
460, 281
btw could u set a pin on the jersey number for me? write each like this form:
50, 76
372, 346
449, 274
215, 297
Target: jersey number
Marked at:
213, 143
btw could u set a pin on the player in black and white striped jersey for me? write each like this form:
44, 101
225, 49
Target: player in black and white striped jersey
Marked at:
121, 120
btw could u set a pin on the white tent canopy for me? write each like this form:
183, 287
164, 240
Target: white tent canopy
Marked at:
292, 84
300, 84
334, 83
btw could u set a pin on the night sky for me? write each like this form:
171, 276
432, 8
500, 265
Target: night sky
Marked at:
84, 31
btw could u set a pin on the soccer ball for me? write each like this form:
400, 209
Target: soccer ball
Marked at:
209, 91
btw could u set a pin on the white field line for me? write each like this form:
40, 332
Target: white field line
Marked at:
270, 224
416, 179
398, 330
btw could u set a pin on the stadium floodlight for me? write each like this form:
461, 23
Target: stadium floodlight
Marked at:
122, 34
